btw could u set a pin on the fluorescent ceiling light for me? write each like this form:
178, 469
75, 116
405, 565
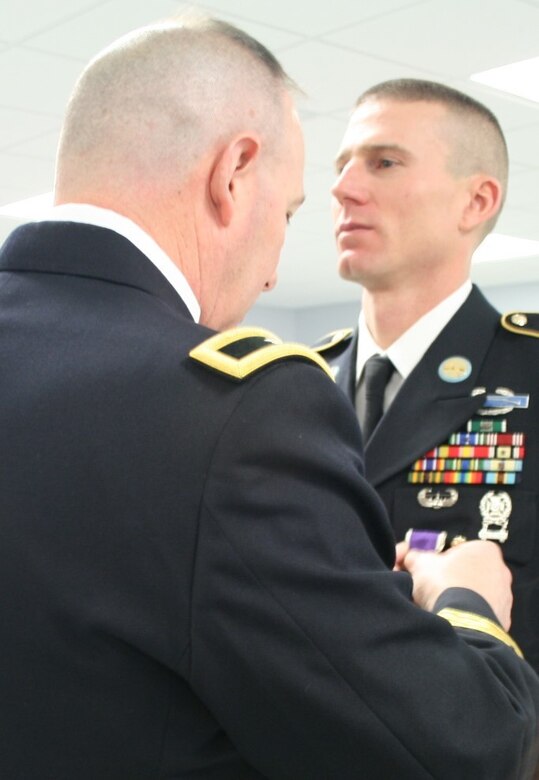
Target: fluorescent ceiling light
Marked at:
499, 247
27, 208
518, 78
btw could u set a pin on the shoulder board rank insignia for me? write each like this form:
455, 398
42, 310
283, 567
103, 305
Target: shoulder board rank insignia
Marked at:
240, 352
525, 323
336, 338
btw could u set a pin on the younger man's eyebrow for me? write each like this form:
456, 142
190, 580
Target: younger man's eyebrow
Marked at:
363, 149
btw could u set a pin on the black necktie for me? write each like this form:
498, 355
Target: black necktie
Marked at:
376, 375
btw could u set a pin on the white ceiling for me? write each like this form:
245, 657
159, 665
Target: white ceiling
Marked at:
334, 50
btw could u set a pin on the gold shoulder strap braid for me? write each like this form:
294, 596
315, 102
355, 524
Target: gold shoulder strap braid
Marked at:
255, 349
524, 323
332, 339
460, 619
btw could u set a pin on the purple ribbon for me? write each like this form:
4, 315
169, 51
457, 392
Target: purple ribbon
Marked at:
426, 540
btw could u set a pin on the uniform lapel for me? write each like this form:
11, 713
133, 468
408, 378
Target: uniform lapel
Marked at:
427, 409
344, 368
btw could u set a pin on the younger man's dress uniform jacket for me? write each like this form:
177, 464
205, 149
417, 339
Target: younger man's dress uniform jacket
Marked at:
427, 410
195, 577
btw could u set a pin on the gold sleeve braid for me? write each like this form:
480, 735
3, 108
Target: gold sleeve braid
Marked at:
460, 619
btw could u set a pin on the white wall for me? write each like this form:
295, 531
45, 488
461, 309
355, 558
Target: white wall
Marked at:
515, 297
282, 322
307, 325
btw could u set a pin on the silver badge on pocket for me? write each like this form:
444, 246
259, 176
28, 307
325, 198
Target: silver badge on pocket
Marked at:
495, 510
437, 498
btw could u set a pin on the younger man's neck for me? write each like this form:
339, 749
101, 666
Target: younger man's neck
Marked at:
390, 313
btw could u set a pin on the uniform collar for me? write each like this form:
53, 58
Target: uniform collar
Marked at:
93, 215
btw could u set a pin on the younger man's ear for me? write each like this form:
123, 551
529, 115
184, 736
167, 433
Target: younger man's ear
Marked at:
485, 200
232, 165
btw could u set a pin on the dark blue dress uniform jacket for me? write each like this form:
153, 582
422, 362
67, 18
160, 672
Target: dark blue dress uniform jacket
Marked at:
194, 576
427, 410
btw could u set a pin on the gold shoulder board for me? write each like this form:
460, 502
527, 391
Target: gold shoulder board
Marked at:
330, 340
242, 351
525, 323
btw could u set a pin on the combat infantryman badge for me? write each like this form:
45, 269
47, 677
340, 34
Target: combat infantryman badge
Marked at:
502, 401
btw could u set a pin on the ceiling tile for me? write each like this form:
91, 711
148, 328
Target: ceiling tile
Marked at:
19, 126
274, 38
333, 78
451, 38
19, 22
305, 17
87, 33
39, 83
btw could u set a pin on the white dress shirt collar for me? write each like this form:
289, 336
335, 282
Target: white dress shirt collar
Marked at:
406, 352
94, 215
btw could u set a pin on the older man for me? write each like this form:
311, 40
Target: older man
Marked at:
196, 579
